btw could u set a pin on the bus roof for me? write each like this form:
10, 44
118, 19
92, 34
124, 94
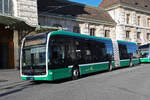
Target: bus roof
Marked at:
145, 46
128, 42
77, 35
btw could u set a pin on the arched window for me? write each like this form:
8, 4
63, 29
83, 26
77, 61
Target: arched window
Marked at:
107, 33
92, 31
76, 29
6, 7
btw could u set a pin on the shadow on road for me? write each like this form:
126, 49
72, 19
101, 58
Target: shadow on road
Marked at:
21, 87
14, 89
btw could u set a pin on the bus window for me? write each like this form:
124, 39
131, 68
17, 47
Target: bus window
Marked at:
57, 52
123, 52
81, 51
99, 52
132, 51
144, 52
70, 51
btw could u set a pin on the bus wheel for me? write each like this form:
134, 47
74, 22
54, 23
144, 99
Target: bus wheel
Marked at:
75, 73
131, 64
110, 66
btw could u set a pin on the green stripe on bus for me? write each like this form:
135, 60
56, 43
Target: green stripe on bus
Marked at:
38, 78
93, 68
144, 59
135, 61
61, 73
124, 63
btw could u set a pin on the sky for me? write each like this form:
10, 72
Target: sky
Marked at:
88, 2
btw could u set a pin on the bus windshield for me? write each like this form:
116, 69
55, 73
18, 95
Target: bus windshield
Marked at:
144, 52
34, 55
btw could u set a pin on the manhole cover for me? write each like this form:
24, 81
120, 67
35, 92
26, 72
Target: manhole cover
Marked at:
3, 80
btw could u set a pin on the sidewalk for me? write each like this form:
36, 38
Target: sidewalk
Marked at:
9, 77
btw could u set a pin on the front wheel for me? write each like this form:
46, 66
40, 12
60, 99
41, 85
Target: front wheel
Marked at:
131, 64
110, 66
75, 73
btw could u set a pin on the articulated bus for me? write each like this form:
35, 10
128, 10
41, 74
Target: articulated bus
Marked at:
144, 51
59, 54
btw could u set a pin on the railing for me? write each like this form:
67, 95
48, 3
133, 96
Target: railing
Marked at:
6, 7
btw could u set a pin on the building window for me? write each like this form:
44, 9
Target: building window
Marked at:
148, 22
1, 7
139, 20
128, 18
92, 31
6, 7
127, 34
76, 29
148, 36
107, 33
138, 35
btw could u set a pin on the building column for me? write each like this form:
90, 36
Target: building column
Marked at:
16, 49
15, 8
120, 32
144, 36
100, 31
121, 16
85, 28
113, 33
134, 35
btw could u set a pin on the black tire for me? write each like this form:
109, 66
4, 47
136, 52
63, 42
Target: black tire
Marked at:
75, 73
110, 66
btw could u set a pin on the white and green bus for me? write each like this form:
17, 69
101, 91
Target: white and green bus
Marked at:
60, 54
144, 51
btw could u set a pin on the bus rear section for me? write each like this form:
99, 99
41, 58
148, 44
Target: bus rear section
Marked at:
144, 52
128, 53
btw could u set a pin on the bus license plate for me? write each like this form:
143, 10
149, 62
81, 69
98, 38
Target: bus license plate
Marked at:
31, 78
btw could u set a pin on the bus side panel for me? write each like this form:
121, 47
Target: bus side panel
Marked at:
144, 59
113, 64
62, 73
124, 63
85, 69
135, 61
48, 78
127, 51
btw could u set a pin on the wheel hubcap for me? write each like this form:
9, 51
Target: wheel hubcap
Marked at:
75, 72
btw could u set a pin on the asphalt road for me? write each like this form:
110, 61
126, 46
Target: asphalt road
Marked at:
122, 84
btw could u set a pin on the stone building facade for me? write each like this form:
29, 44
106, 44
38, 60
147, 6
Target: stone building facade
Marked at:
75, 17
17, 17
127, 20
132, 18
27, 10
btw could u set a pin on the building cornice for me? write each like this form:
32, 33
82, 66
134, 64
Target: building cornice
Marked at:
80, 19
134, 26
127, 6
